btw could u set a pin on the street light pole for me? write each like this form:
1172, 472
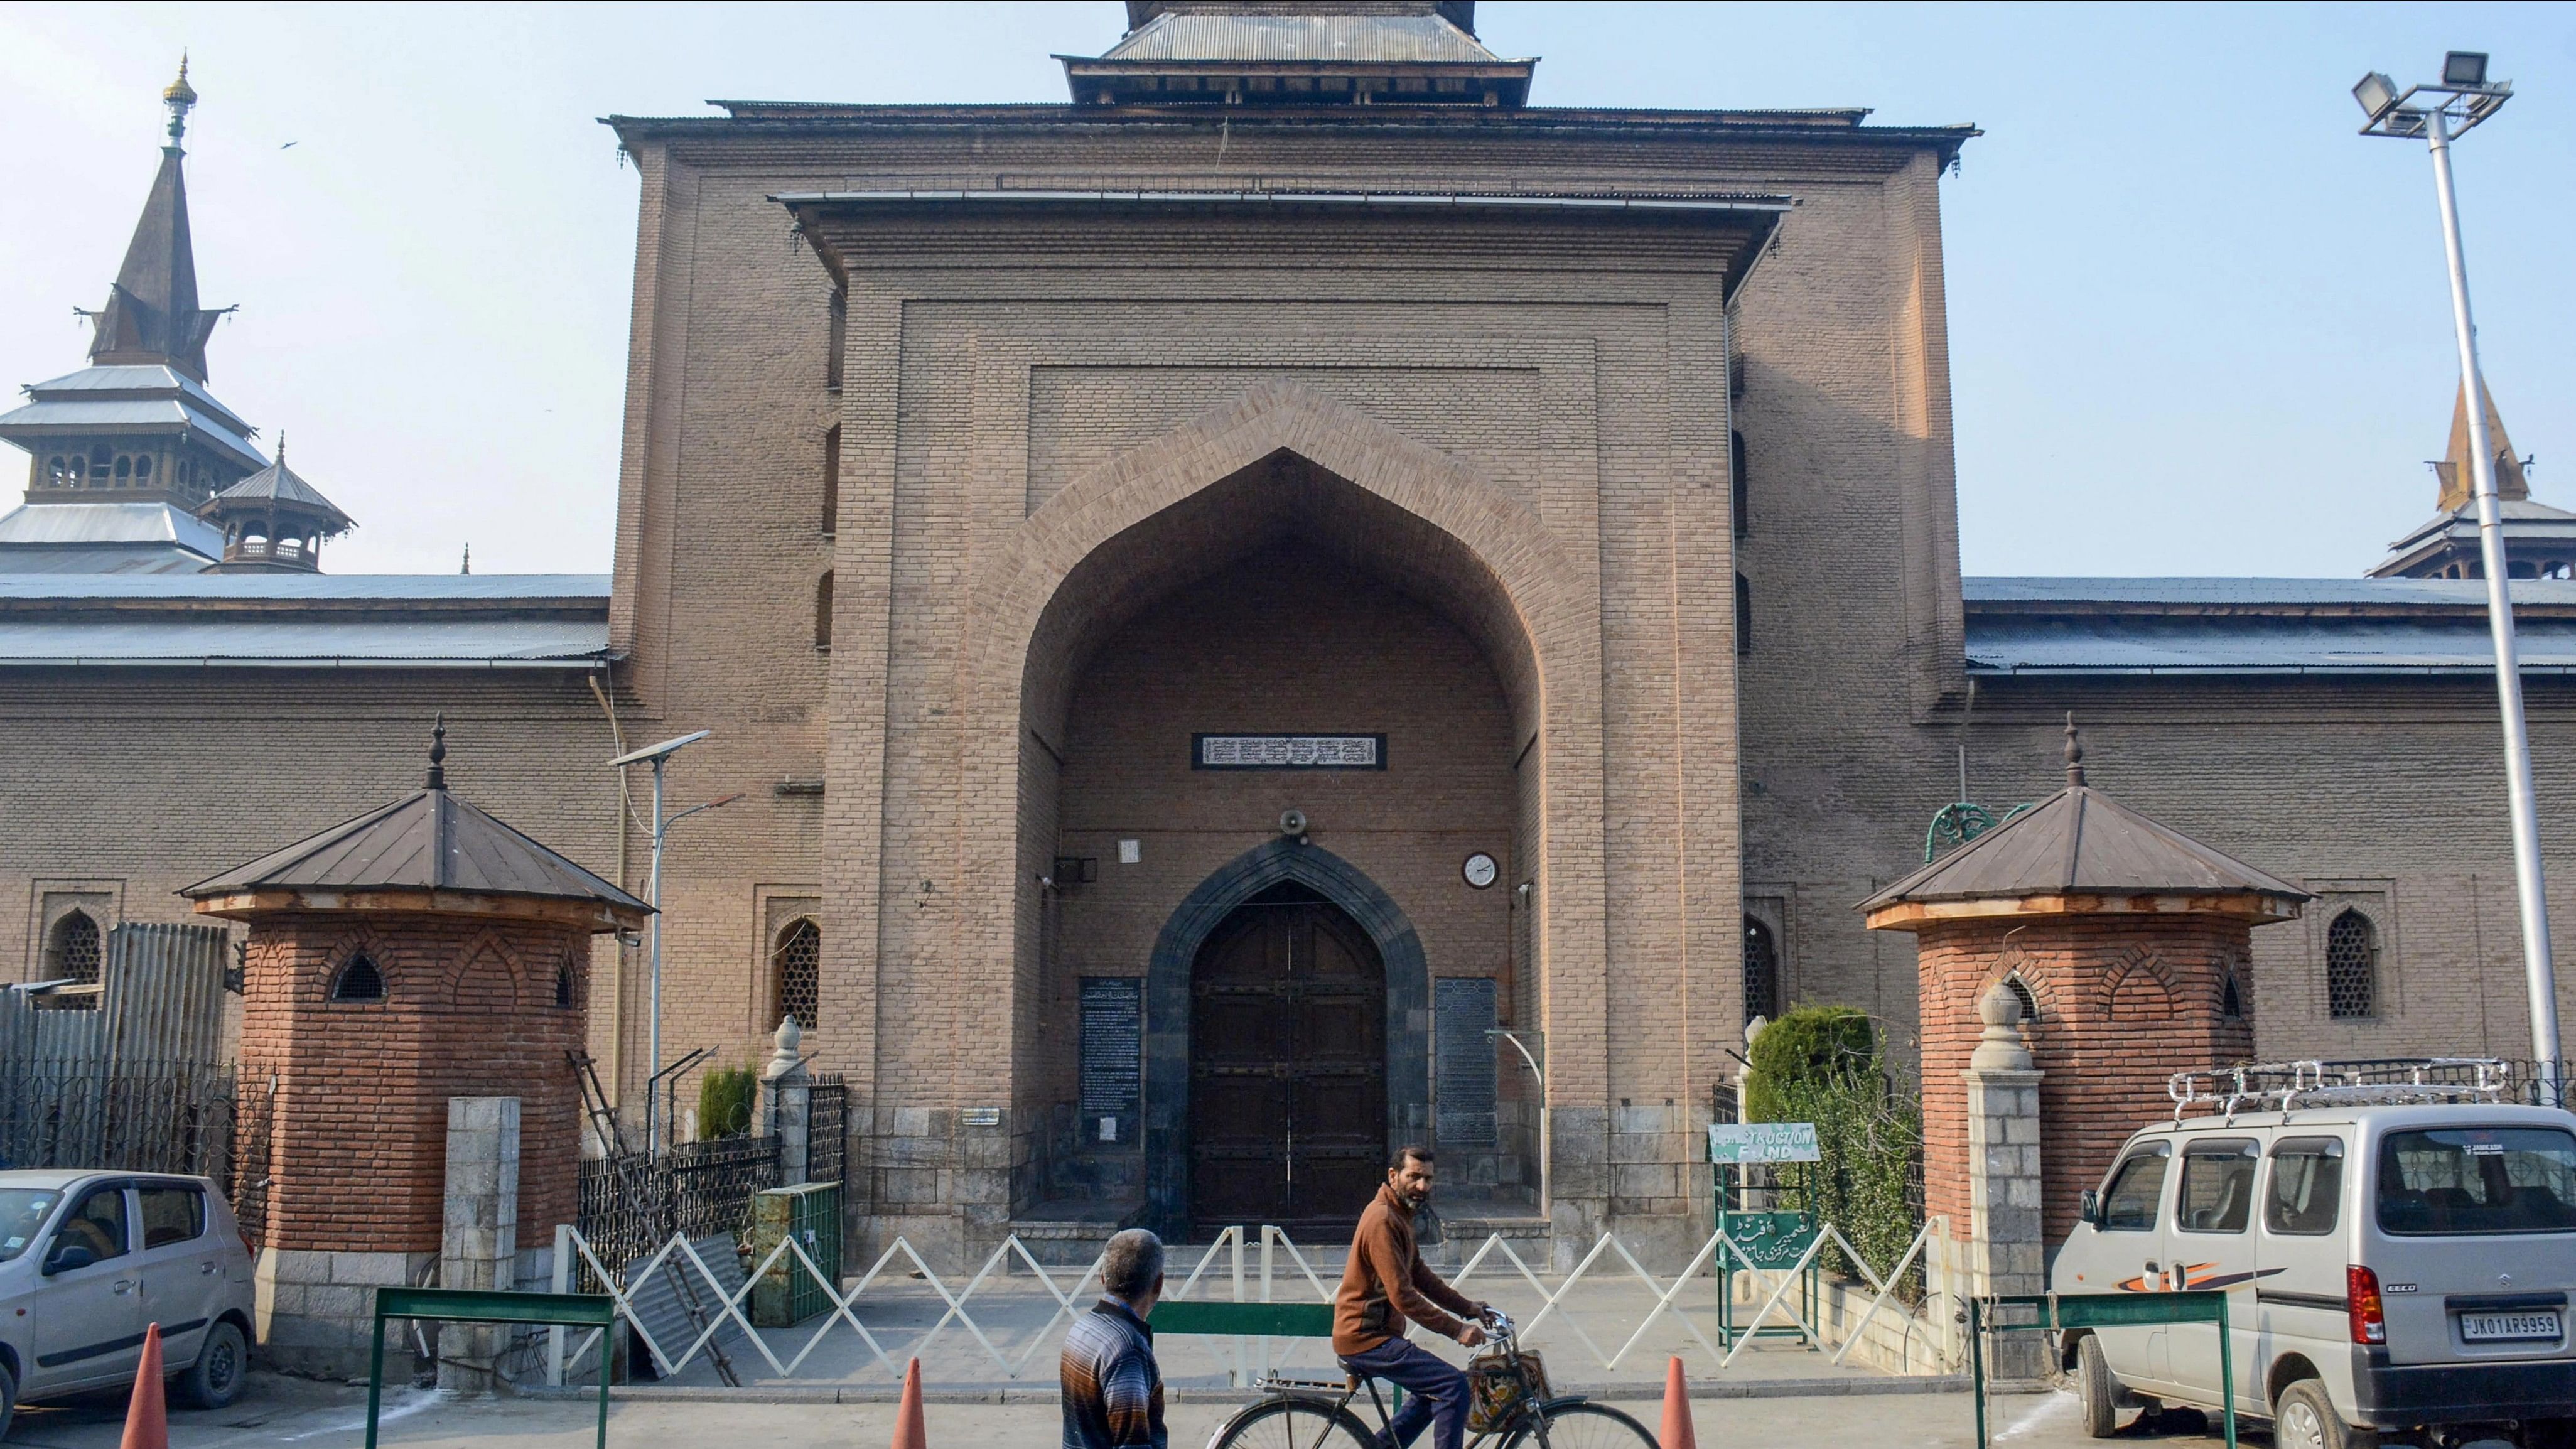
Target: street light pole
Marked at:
2465, 95
658, 756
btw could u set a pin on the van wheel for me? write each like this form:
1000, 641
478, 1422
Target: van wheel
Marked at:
2306, 1419
2098, 1391
8, 1399
223, 1364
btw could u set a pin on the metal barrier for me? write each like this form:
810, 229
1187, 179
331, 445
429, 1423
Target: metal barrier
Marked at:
1251, 1269
2062, 1311
465, 1305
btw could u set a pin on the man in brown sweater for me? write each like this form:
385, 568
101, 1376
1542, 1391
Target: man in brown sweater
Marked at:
1386, 1286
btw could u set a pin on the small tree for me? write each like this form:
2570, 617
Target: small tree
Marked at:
1822, 1064
725, 1099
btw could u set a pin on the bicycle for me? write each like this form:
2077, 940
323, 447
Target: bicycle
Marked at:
1512, 1407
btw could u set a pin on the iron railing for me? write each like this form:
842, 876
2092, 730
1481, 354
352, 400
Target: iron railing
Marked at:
140, 1116
827, 1130
628, 1206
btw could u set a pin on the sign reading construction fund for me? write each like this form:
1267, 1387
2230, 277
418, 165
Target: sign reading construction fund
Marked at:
1742, 1142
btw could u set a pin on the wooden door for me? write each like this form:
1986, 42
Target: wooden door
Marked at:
1287, 1068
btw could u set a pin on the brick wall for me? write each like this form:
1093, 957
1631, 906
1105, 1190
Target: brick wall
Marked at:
357, 1142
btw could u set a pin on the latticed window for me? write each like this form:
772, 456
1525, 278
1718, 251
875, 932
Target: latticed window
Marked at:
74, 954
798, 962
1761, 971
2352, 967
2022, 993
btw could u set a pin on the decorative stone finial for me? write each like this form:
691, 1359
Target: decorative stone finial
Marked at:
2074, 753
179, 97
2000, 1048
438, 753
281, 447
784, 1061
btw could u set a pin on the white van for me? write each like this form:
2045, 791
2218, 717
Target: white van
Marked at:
89, 1259
2390, 1265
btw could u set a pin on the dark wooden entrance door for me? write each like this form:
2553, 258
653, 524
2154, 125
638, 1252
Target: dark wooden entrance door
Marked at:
1287, 1067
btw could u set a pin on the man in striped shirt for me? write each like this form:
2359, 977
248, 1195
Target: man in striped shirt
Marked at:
1113, 1391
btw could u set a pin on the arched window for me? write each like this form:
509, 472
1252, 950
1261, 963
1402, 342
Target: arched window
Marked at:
1761, 970
359, 980
2022, 993
57, 472
823, 612
143, 467
567, 991
1743, 490
1743, 615
2231, 1000
838, 337
831, 479
796, 964
74, 952
2352, 967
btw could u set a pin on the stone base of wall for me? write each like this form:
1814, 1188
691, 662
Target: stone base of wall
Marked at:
315, 1311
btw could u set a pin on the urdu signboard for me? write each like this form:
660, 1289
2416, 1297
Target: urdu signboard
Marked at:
1743, 1142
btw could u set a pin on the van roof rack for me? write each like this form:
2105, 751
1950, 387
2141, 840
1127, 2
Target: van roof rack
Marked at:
2374, 1081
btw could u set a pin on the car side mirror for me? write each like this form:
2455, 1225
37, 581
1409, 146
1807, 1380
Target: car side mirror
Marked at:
2089, 1207
67, 1256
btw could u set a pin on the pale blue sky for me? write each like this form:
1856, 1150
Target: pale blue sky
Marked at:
2196, 324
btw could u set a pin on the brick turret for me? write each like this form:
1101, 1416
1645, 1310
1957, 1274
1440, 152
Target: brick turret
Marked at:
2128, 944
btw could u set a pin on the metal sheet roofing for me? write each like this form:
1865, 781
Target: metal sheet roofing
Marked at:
110, 413
80, 523
429, 841
319, 588
2081, 842
134, 377
253, 640
2023, 626
122, 559
2257, 592
1186, 36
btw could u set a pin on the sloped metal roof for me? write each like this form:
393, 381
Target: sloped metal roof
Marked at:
103, 523
319, 588
67, 416
125, 560
1196, 36
256, 641
430, 841
2392, 626
2081, 842
136, 377
277, 482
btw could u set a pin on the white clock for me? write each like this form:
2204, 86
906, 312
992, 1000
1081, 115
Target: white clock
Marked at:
1480, 870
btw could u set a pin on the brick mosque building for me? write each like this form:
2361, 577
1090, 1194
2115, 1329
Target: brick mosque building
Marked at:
1261, 608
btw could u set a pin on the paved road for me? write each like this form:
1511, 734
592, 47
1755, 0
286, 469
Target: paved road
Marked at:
295, 1415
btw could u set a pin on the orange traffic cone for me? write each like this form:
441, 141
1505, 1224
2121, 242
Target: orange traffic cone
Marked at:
908, 1432
147, 1414
1677, 1416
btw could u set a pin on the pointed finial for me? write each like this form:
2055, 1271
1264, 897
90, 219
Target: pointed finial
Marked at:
179, 97
467, 566
281, 448
438, 753
2074, 753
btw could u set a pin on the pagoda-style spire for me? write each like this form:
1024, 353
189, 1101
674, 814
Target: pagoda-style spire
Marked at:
152, 314
2459, 479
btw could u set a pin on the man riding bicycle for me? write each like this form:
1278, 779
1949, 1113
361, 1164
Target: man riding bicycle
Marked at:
1386, 1286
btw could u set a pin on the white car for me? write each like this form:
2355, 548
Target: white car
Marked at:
89, 1259
2389, 1268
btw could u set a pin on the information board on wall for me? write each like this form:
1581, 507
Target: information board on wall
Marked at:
1741, 1142
1462, 1015
1113, 1059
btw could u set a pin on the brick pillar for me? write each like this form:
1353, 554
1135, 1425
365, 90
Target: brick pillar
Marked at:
479, 1231
787, 1095
2006, 1249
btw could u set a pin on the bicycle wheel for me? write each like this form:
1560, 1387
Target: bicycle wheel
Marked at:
1294, 1424
1582, 1426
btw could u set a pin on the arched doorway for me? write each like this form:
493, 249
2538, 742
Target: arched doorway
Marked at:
1287, 1065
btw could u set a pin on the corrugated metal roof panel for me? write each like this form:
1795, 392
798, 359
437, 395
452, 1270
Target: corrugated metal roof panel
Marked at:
252, 640
430, 841
2256, 592
1193, 36
2042, 644
319, 588
111, 413
132, 377
122, 559
2081, 841
69, 523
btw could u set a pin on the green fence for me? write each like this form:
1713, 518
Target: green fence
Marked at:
811, 1214
462, 1305
2059, 1312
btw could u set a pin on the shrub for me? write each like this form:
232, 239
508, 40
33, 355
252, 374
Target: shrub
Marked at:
725, 1100
1823, 1065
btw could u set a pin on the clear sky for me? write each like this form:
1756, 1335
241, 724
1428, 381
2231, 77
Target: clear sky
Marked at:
2196, 324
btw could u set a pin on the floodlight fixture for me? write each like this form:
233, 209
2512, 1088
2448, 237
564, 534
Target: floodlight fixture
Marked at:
658, 752
2462, 99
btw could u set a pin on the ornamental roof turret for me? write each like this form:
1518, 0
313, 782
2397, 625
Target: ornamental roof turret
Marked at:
1286, 53
274, 521
2539, 541
2080, 852
429, 851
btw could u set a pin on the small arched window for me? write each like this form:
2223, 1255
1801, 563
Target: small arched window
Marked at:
58, 472
1743, 615
796, 964
74, 952
2352, 967
1761, 970
831, 479
567, 990
823, 613
359, 980
143, 466
2231, 1000
1742, 495
2022, 993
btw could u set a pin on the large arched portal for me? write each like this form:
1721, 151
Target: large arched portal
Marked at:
1280, 606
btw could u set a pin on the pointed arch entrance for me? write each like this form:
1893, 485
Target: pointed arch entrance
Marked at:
1232, 950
